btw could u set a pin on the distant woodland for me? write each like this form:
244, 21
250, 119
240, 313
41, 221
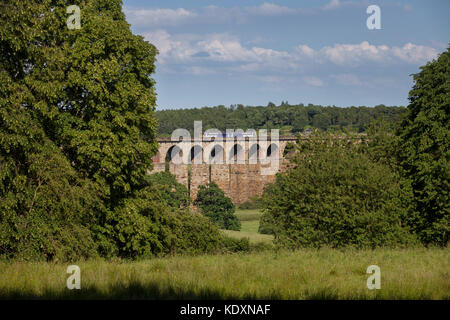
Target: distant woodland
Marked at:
290, 119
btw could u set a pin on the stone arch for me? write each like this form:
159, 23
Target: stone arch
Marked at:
272, 151
174, 155
217, 154
196, 155
254, 153
237, 153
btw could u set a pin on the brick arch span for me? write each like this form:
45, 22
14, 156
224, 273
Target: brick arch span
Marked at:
238, 173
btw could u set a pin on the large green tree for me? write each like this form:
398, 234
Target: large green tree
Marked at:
90, 89
77, 132
335, 195
424, 149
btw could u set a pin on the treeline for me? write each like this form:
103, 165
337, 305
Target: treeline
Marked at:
290, 119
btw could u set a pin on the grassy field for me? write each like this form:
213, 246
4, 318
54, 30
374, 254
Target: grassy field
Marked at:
305, 274
249, 227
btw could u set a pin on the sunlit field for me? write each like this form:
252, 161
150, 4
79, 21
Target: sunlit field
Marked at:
306, 274
249, 227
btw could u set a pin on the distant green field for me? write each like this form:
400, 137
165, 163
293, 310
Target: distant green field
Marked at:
249, 227
248, 215
304, 274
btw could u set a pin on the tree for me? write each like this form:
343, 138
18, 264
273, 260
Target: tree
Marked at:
321, 121
335, 196
90, 89
300, 121
424, 149
77, 131
46, 209
173, 193
217, 206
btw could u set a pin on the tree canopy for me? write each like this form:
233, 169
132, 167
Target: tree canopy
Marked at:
335, 195
424, 153
215, 205
290, 119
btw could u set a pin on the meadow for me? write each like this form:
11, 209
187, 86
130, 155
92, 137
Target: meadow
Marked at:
415, 273
249, 227
306, 274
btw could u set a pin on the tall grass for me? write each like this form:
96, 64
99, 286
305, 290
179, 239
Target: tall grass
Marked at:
306, 274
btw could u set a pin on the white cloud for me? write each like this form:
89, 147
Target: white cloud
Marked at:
354, 55
224, 53
313, 81
159, 17
206, 15
171, 48
347, 79
414, 53
270, 9
163, 17
305, 51
200, 71
271, 79
219, 48
332, 5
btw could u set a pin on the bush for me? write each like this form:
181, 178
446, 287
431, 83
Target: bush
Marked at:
335, 196
247, 205
196, 234
145, 226
233, 245
266, 224
217, 207
252, 204
173, 193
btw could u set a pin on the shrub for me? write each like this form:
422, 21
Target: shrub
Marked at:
173, 193
254, 203
233, 245
196, 234
215, 205
336, 196
266, 224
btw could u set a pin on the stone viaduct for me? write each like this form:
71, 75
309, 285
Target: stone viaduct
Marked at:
241, 167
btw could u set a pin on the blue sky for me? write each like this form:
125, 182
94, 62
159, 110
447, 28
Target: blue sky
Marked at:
313, 51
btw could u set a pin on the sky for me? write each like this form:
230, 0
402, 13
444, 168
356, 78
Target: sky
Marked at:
251, 52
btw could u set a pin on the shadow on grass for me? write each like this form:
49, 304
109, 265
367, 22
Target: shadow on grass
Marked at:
131, 291
148, 291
